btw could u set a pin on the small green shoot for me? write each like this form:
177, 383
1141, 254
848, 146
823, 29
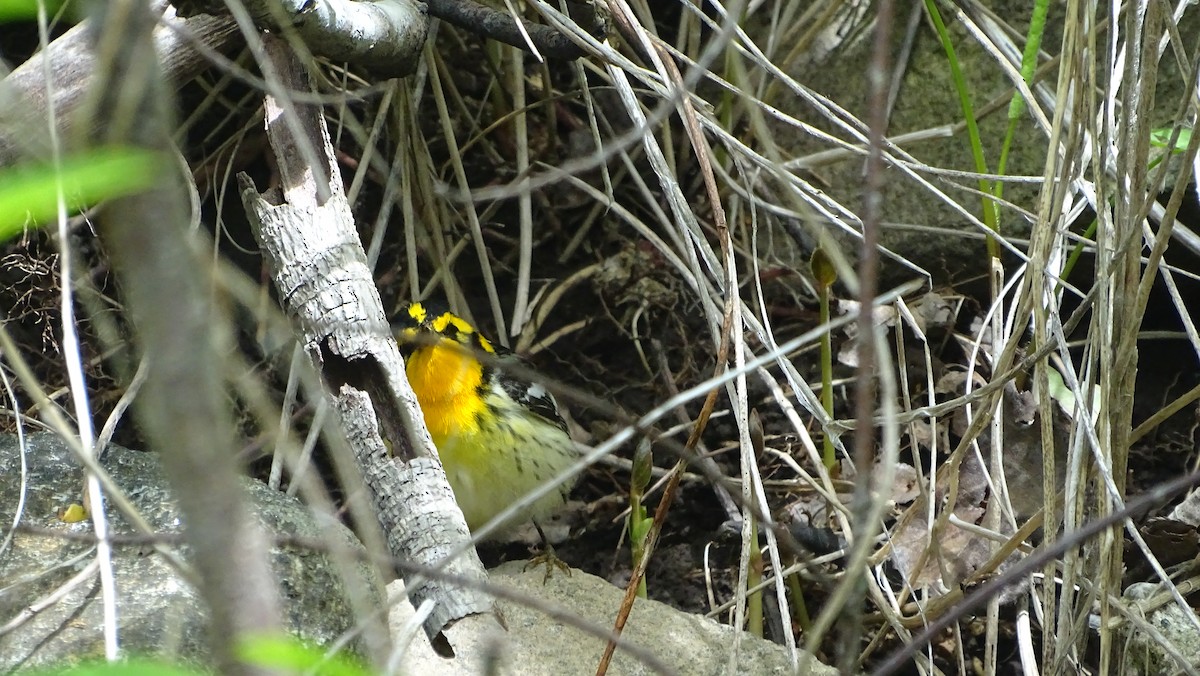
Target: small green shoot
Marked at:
1077, 250
991, 215
799, 607
639, 521
825, 275
754, 604
1159, 138
1016, 107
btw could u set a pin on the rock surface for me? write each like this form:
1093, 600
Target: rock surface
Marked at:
159, 611
540, 645
161, 614
1177, 644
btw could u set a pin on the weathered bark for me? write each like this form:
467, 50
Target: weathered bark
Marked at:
383, 36
25, 95
307, 234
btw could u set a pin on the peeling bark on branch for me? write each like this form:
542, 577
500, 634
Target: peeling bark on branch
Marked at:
383, 36
418, 511
307, 233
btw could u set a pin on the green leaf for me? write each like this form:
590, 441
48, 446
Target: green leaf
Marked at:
286, 652
1161, 138
1059, 391
19, 10
29, 194
639, 527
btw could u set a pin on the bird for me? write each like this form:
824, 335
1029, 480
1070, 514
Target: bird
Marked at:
499, 436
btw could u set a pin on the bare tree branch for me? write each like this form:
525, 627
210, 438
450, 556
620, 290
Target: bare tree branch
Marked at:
307, 234
384, 36
25, 95
499, 26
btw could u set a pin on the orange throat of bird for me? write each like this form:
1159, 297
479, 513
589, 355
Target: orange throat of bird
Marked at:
446, 379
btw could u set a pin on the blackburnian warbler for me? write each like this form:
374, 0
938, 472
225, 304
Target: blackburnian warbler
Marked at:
499, 437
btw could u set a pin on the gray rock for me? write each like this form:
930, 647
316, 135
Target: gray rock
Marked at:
537, 644
159, 611
1176, 644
